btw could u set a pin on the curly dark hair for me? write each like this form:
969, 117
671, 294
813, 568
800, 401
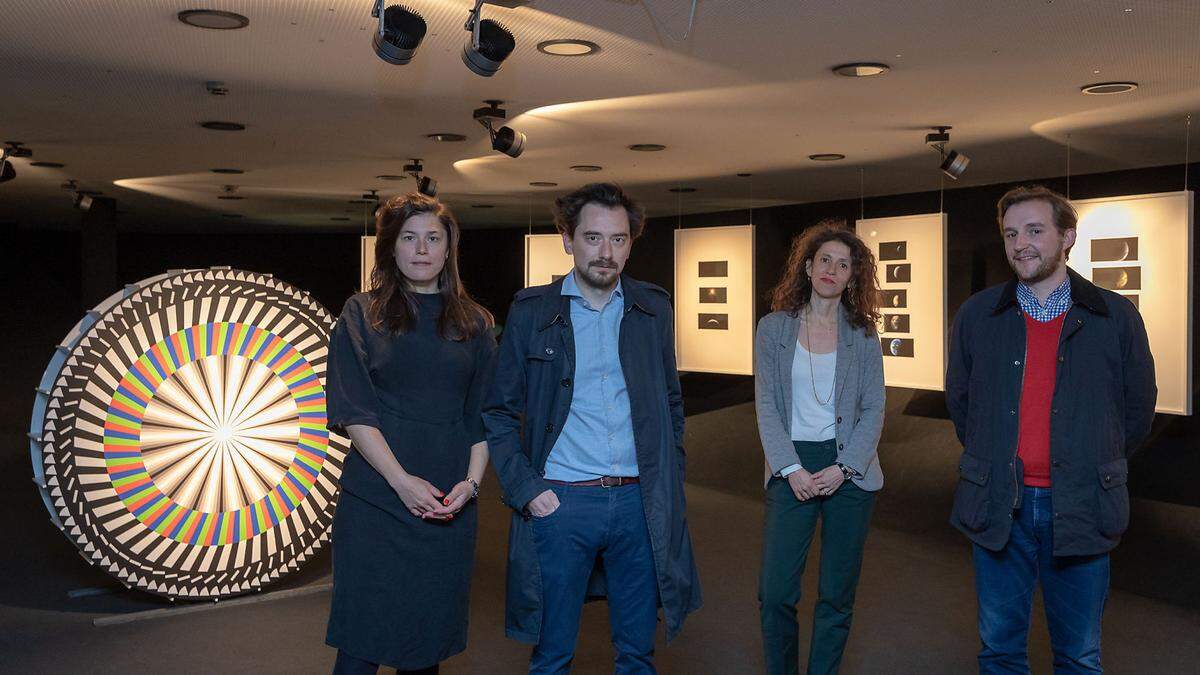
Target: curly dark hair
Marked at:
391, 307
568, 206
861, 297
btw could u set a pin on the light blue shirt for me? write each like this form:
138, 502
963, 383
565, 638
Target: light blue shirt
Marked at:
597, 439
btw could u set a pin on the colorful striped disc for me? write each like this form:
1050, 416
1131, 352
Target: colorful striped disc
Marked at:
182, 440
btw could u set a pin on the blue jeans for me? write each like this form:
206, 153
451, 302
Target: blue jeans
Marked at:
1074, 590
596, 523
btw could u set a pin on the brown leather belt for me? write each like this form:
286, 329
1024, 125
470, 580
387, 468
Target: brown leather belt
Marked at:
603, 481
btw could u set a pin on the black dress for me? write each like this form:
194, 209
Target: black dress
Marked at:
401, 584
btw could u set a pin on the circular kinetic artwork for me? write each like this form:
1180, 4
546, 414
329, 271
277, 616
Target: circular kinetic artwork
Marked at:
179, 436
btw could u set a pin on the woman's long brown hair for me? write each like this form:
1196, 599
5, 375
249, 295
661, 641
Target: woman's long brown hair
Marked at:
861, 297
392, 308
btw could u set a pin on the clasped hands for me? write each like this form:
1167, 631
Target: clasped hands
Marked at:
823, 483
427, 502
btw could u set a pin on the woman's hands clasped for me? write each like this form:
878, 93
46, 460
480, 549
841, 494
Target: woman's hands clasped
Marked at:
427, 502
823, 483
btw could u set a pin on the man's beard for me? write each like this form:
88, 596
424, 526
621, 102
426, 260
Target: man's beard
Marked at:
592, 278
1047, 267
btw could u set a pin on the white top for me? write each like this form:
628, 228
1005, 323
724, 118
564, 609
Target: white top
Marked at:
812, 420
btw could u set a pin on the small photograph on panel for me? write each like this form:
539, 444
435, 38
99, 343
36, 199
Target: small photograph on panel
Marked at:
713, 295
895, 323
1132, 297
897, 347
1118, 278
714, 268
1115, 250
899, 273
714, 322
893, 250
556, 277
890, 298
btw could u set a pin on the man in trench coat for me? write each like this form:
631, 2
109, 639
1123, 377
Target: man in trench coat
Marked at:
585, 427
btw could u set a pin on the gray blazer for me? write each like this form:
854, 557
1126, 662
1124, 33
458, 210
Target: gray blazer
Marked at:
858, 401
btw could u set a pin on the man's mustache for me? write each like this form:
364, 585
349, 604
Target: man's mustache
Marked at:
603, 263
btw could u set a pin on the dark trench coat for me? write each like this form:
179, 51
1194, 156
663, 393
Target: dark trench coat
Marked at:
527, 407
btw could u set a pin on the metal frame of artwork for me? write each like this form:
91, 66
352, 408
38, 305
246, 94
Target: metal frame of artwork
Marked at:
714, 299
1140, 246
179, 436
544, 253
911, 271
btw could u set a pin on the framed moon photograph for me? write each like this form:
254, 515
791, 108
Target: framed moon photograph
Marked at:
911, 272
714, 299
1140, 247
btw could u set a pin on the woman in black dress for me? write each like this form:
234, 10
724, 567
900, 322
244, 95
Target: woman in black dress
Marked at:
407, 365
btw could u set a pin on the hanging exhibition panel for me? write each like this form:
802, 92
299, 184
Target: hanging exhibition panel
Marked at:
178, 434
1140, 246
366, 262
714, 299
546, 260
910, 254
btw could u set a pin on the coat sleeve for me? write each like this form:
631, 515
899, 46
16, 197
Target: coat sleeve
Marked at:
351, 394
503, 414
674, 393
776, 441
485, 363
863, 444
958, 375
1141, 390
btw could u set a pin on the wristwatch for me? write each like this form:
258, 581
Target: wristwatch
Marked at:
847, 472
474, 488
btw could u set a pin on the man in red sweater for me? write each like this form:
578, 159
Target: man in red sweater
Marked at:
1051, 388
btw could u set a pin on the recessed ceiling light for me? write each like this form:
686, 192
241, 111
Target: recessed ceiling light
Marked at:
568, 47
339, 218
861, 69
826, 157
48, 165
390, 176
231, 215
1106, 88
231, 197
213, 19
228, 171
543, 183
586, 168
447, 138
647, 147
483, 206
744, 175
223, 126
683, 190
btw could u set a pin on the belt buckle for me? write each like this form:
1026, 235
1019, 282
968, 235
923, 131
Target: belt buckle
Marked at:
605, 484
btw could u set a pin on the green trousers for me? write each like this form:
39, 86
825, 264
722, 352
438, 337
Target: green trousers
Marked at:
788, 533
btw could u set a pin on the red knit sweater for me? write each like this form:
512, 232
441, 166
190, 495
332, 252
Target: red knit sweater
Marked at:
1037, 395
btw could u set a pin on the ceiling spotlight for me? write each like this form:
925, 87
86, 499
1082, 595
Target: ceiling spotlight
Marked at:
413, 167
368, 196
446, 138
490, 44
83, 202
1106, 88
827, 157
586, 168
17, 149
955, 164
400, 33
568, 47
70, 185
861, 69
505, 139
7, 172
543, 183
223, 126
427, 186
647, 147
213, 19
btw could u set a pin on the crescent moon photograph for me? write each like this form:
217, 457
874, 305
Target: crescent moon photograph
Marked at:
714, 322
895, 323
1123, 249
714, 295
1118, 278
899, 273
893, 250
893, 298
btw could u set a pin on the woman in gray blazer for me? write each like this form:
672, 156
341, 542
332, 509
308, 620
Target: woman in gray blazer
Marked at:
818, 371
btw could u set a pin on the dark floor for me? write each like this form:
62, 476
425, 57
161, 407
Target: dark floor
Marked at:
915, 614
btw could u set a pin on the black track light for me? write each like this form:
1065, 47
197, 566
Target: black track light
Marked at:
400, 33
954, 163
490, 44
505, 139
7, 172
427, 186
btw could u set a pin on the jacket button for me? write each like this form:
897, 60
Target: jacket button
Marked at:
549, 351
566, 382
1012, 412
1054, 410
1056, 463
839, 420
1060, 359
1016, 363
1108, 479
549, 428
840, 446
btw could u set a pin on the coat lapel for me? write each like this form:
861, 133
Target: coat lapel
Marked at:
787, 352
845, 350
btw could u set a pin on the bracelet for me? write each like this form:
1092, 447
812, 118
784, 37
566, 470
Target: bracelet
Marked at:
474, 488
847, 472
